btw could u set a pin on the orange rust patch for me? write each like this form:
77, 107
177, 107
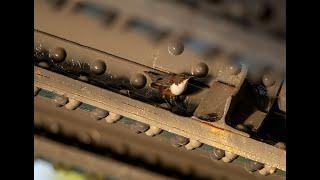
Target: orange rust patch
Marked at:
216, 130
40, 75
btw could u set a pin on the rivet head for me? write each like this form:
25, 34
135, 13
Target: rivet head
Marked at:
138, 81
175, 48
60, 100
58, 54
98, 113
139, 127
217, 154
234, 68
43, 64
200, 70
268, 80
178, 141
98, 67
253, 166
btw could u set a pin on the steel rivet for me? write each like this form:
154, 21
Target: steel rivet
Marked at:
268, 80
43, 64
253, 166
200, 70
229, 157
60, 100
98, 113
192, 144
58, 54
178, 141
152, 131
217, 154
98, 67
72, 104
234, 68
113, 117
139, 127
138, 81
175, 48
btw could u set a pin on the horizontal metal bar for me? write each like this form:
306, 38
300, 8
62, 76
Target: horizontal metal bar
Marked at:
160, 118
60, 153
158, 148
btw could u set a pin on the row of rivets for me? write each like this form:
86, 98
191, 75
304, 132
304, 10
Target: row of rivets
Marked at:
109, 117
59, 55
225, 156
68, 103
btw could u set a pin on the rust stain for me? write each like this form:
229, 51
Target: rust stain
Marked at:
40, 75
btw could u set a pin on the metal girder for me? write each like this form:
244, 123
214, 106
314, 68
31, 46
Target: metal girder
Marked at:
187, 127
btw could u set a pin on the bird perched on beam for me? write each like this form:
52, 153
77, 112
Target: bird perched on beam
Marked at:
169, 85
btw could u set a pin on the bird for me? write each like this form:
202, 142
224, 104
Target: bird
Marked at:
169, 85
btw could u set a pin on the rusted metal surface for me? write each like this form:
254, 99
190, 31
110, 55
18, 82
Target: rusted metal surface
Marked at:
168, 17
151, 115
120, 138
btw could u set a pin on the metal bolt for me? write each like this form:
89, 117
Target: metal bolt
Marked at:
152, 131
178, 141
43, 64
229, 157
253, 166
138, 81
98, 67
217, 154
35, 90
83, 78
72, 104
192, 144
234, 68
139, 127
175, 48
200, 70
98, 113
267, 170
268, 80
58, 54
113, 117
60, 100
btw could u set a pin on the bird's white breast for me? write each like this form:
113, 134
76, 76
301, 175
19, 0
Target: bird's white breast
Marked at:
178, 89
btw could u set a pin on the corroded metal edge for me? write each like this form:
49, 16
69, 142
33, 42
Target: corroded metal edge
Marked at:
168, 121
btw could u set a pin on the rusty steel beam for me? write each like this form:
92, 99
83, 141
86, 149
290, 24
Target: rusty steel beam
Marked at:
79, 124
187, 127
